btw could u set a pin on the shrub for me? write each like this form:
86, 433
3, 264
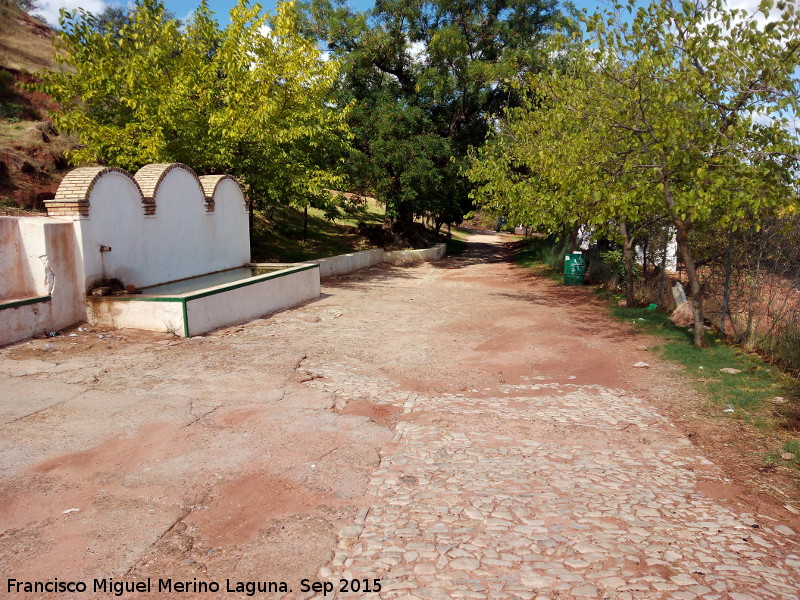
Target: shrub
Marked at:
549, 251
783, 346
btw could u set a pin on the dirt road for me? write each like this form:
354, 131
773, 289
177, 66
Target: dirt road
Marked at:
460, 429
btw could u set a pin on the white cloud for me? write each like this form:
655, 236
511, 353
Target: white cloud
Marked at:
751, 7
761, 118
48, 9
187, 17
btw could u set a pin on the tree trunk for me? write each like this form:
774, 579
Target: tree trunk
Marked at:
660, 300
644, 258
627, 251
305, 223
405, 219
752, 300
573, 237
694, 283
682, 227
727, 287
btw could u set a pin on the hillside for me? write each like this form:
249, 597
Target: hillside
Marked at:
31, 150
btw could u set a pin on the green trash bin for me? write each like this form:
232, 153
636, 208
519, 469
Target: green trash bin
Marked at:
574, 267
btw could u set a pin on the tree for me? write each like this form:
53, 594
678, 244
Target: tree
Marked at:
667, 105
423, 76
28, 6
230, 100
113, 18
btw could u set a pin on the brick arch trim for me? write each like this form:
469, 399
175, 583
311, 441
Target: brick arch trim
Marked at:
72, 196
150, 177
210, 184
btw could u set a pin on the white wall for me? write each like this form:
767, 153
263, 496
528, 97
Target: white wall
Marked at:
17, 279
46, 254
181, 240
229, 238
115, 220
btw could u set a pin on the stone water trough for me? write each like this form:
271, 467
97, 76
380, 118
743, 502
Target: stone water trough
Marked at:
163, 250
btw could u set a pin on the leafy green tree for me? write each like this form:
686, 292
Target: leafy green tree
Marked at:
665, 110
423, 77
233, 100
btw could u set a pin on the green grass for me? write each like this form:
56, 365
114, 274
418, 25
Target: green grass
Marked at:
281, 237
745, 395
790, 447
457, 241
544, 255
747, 391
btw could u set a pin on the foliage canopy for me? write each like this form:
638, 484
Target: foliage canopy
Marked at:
423, 77
687, 111
252, 99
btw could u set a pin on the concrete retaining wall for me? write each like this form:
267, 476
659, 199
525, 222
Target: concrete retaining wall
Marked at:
346, 263
398, 257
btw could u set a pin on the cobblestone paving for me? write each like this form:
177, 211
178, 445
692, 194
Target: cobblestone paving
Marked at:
532, 491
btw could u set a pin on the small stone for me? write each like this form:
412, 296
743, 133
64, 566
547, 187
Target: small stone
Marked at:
778, 400
536, 581
351, 531
730, 371
585, 590
641, 365
683, 579
787, 456
584, 548
464, 564
425, 569
432, 593
613, 582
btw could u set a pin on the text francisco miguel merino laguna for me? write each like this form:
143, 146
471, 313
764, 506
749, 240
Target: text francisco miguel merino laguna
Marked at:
195, 586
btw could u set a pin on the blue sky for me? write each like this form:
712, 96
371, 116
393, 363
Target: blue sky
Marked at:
183, 8
221, 7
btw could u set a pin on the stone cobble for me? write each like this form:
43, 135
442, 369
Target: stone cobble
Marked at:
532, 491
